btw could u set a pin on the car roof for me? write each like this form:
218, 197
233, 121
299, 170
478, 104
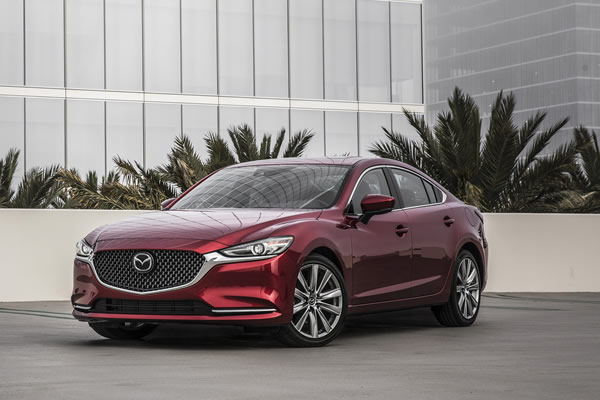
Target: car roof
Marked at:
349, 161
304, 160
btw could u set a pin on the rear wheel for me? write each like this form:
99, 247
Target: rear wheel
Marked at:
463, 306
123, 331
320, 304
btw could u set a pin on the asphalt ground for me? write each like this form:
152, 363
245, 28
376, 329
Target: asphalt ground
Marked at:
523, 346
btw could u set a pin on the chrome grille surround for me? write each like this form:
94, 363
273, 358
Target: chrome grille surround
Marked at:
173, 269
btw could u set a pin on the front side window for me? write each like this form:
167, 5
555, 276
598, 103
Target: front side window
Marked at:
269, 186
373, 182
411, 188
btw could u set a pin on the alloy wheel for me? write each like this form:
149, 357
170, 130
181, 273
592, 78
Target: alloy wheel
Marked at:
467, 288
318, 301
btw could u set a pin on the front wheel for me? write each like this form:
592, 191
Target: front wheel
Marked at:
123, 331
463, 305
320, 304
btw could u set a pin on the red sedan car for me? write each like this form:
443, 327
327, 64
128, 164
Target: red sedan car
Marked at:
293, 243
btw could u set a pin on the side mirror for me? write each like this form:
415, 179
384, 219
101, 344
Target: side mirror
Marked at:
375, 204
165, 204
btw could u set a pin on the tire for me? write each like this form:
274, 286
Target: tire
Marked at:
319, 312
123, 331
464, 303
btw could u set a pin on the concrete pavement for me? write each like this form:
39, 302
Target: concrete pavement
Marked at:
524, 346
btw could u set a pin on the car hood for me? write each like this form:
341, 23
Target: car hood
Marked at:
222, 225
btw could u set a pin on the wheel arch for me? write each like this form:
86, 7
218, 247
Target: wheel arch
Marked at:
473, 249
329, 254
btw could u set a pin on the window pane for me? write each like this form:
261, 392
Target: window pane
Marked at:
124, 132
12, 130
340, 50
373, 51
199, 46
406, 53
123, 44
198, 121
438, 195
313, 121
306, 49
340, 133
85, 136
85, 44
370, 128
430, 193
11, 42
270, 121
44, 43
270, 22
234, 116
372, 183
161, 45
411, 188
163, 124
45, 139
235, 48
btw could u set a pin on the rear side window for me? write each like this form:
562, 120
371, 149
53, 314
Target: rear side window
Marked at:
438, 195
430, 193
373, 182
411, 188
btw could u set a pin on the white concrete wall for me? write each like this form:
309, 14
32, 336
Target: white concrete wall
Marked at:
37, 249
528, 252
543, 252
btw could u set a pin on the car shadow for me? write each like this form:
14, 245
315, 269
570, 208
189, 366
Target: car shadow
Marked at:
222, 337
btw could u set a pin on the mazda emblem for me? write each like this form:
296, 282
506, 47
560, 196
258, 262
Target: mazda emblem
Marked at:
143, 262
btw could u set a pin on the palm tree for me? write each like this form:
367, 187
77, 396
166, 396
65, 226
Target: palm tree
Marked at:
131, 187
8, 166
510, 170
246, 148
134, 187
37, 189
586, 178
185, 167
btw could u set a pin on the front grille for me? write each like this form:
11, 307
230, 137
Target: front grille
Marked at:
172, 268
151, 307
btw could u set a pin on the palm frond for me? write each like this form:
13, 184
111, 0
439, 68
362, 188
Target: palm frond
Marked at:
184, 166
265, 147
535, 147
37, 189
219, 154
500, 151
244, 142
8, 167
432, 157
399, 148
297, 143
278, 143
587, 143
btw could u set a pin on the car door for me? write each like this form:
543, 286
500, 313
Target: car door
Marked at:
381, 248
431, 226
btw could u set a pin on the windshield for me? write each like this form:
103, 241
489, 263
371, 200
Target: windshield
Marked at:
268, 186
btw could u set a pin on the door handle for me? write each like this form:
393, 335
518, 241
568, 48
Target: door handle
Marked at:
401, 231
448, 221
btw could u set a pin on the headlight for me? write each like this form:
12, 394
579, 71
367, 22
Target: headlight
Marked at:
265, 247
84, 249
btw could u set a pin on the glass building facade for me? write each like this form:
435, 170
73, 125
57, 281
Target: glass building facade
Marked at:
84, 80
547, 52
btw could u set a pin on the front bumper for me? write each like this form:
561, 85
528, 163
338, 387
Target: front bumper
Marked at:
258, 292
